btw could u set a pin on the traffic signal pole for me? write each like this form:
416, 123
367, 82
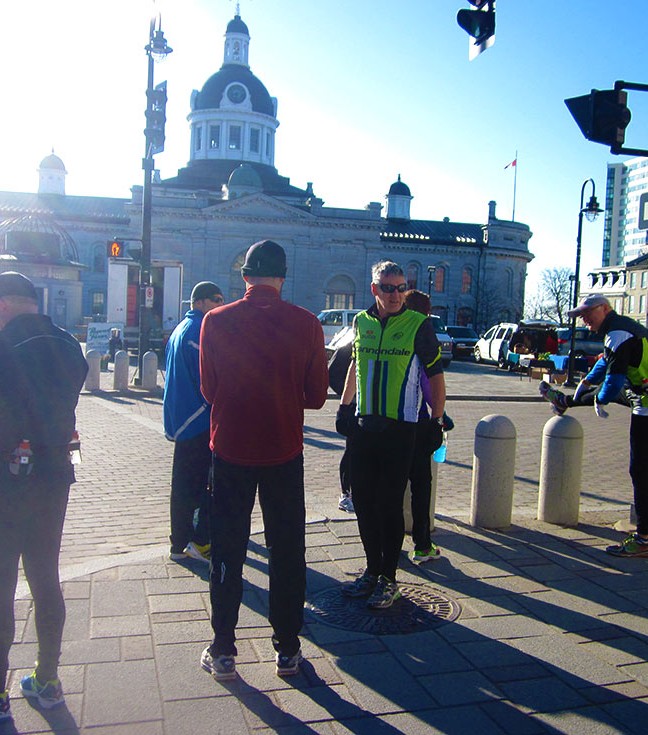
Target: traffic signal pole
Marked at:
145, 311
156, 48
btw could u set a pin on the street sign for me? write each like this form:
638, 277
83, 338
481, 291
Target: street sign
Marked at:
148, 297
643, 212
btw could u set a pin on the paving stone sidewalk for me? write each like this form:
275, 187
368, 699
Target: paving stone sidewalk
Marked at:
552, 637
533, 629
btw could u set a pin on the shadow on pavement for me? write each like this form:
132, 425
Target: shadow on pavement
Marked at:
456, 678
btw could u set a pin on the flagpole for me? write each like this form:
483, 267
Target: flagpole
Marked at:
514, 185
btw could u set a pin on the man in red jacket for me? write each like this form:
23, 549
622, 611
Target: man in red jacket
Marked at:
262, 362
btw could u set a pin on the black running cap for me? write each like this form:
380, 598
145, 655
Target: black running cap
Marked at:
265, 259
15, 284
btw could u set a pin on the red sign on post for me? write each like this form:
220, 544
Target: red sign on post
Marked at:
148, 297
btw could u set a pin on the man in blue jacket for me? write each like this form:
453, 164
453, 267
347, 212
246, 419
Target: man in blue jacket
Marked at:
186, 422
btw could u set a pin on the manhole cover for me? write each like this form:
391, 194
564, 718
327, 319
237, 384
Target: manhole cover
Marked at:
420, 608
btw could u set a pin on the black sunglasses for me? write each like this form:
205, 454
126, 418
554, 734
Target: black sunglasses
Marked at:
216, 299
390, 288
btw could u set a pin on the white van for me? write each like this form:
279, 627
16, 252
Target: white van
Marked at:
334, 320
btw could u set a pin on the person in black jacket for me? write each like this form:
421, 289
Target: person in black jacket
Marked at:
42, 371
338, 367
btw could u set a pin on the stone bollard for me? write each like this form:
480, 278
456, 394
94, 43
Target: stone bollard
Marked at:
560, 471
407, 502
491, 501
120, 374
93, 380
149, 370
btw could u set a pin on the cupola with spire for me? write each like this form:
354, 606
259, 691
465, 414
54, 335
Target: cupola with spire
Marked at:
398, 200
51, 175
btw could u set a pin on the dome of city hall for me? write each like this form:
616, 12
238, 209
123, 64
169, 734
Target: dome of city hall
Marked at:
211, 95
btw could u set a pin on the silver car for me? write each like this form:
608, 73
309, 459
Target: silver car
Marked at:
445, 340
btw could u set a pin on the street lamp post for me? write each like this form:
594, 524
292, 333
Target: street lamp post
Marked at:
156, 50
571, 288
591, 212
431, 271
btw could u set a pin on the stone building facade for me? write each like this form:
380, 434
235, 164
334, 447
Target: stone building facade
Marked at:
230, 195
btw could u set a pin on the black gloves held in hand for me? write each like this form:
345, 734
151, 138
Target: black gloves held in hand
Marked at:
345, 420
435, 435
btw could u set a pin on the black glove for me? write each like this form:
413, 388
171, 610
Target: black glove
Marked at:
435, 435
345, 420
448, 423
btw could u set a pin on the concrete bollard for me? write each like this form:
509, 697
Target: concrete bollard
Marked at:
120, 374
149, 370
93, 381
560, 471
407, 502
491, 501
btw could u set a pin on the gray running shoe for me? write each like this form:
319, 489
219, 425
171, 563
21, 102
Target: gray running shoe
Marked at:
363, 586
222, 668
288, 665
346, 504
385, 594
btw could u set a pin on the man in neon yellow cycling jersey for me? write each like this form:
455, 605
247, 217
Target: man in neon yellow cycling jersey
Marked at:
392, 346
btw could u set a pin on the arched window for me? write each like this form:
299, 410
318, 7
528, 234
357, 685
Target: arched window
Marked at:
99, 259
465, 316
339, 293
412, 275
509, 282
466, 279
440, 279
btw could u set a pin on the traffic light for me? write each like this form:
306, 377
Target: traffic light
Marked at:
115, 248
480, 24
602, 115
156, 117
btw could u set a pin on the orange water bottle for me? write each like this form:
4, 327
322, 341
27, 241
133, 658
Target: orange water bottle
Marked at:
21, 462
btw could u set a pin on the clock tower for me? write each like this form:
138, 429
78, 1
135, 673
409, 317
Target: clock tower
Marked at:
233, 118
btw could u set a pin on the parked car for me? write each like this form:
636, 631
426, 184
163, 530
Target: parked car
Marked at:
445, 340
533, 337
586, 344
464, 340
333, 320
493, 345
343, 337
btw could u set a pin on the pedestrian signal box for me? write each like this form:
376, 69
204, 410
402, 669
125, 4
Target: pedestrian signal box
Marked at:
115, 249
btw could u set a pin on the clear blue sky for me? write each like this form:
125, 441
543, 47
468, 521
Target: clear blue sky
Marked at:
367, 89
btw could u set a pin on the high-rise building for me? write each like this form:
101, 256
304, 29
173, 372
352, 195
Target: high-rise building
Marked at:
622, 240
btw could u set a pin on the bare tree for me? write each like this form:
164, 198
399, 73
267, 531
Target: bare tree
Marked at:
555, 286
551, 300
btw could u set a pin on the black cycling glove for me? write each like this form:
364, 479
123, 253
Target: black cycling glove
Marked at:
345, 419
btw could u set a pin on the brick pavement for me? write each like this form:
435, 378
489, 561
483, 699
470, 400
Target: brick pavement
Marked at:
123, 482
552, 635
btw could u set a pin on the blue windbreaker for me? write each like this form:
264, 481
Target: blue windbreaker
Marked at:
186, 412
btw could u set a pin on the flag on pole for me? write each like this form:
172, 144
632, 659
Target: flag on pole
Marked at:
513, 163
